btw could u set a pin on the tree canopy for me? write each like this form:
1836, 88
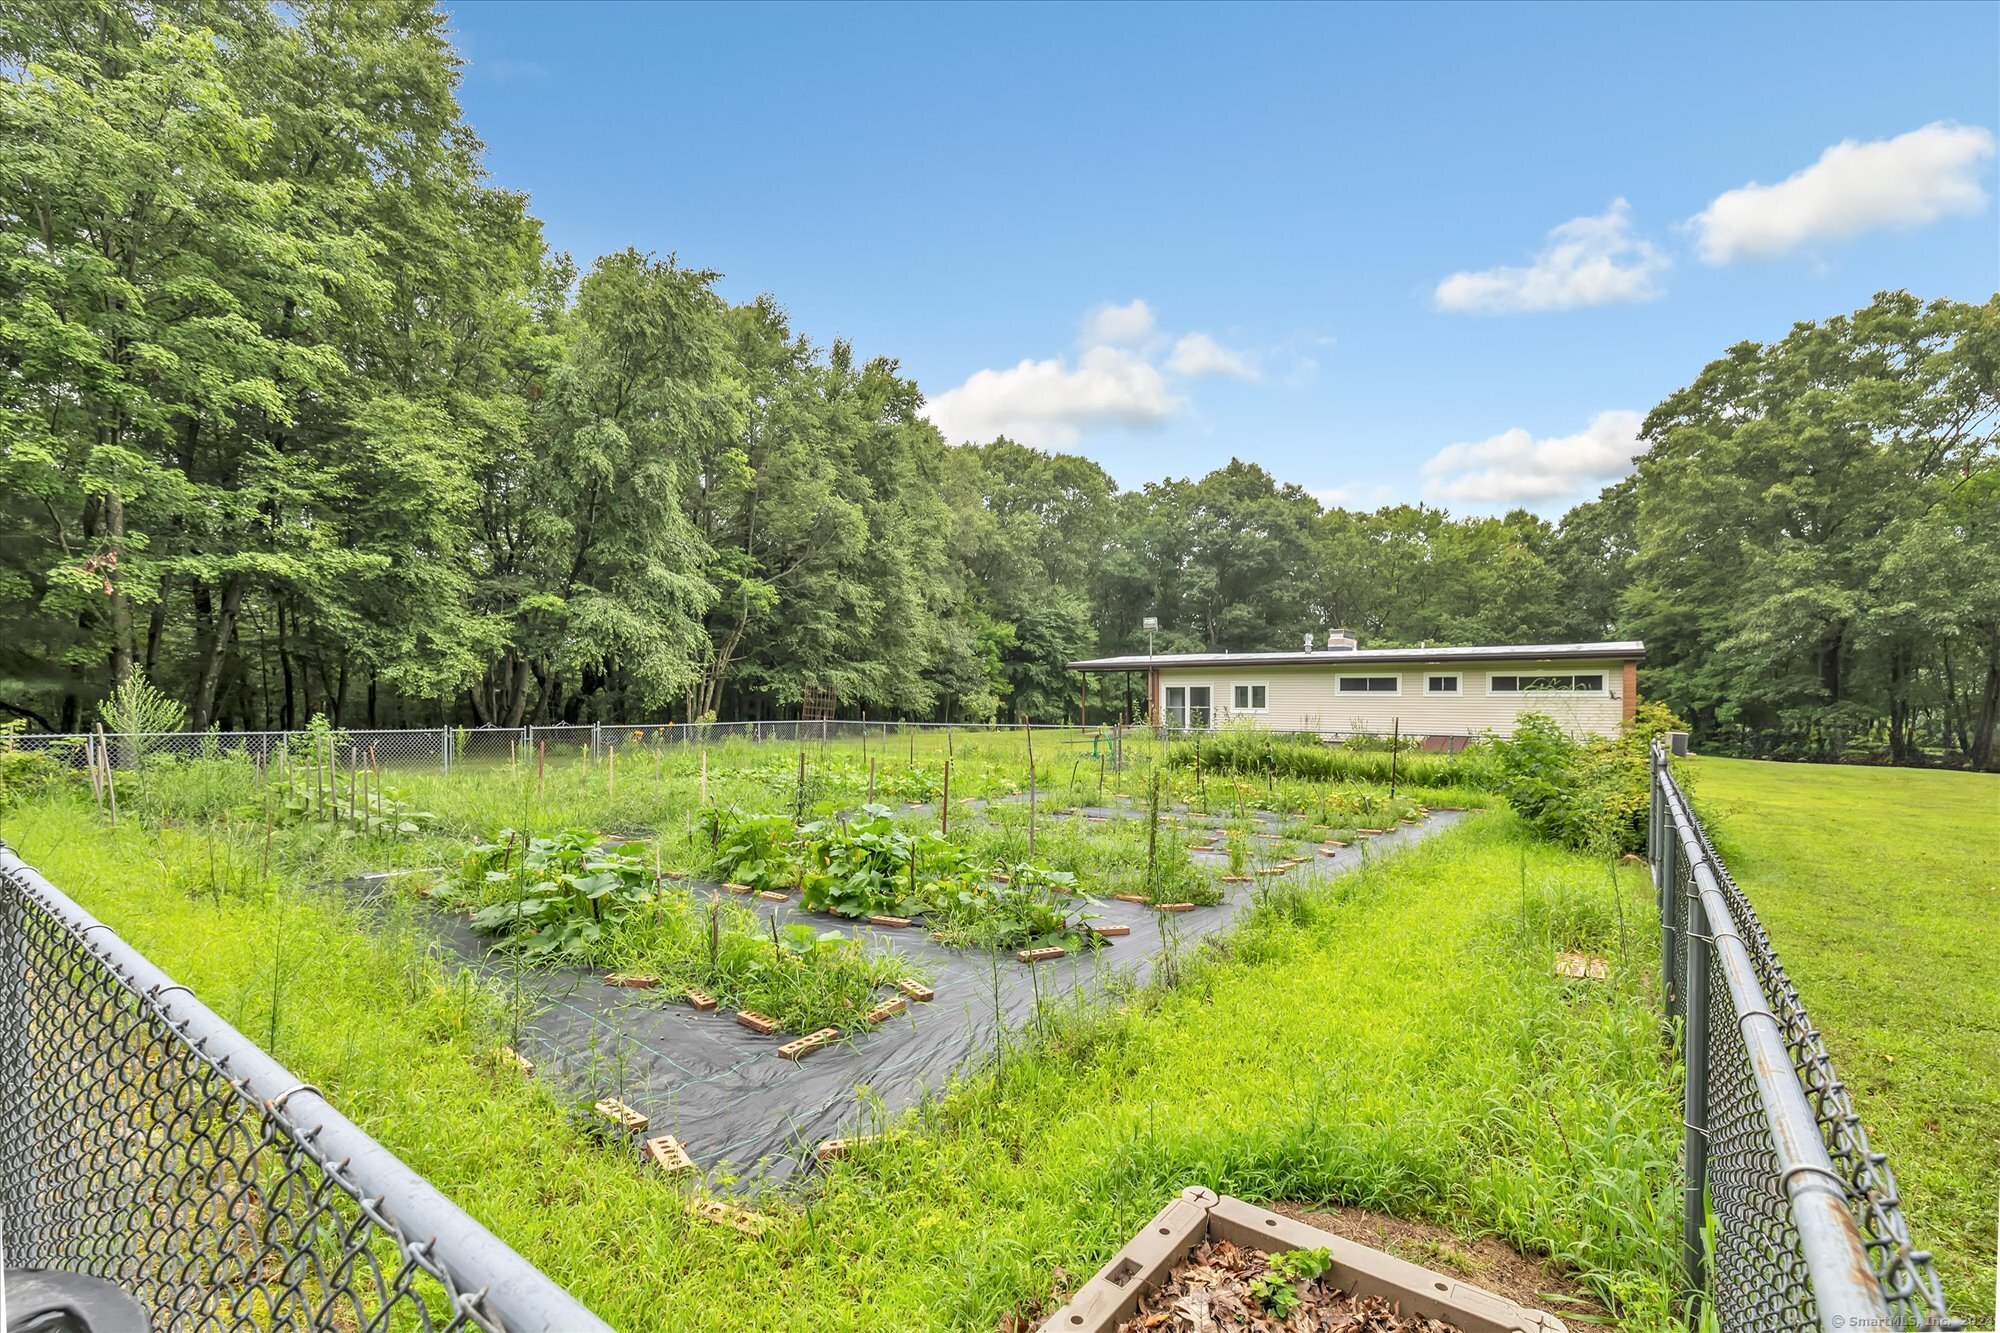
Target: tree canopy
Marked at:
302, 416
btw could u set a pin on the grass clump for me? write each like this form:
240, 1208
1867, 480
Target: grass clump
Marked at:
1303, 756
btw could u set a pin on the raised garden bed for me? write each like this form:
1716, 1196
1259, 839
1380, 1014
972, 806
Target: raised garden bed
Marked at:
1204, 1263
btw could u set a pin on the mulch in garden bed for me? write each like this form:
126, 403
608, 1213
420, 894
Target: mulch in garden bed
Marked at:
1210, 1291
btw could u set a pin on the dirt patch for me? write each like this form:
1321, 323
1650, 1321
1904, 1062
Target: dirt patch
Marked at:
1223, 1286
1488, 1262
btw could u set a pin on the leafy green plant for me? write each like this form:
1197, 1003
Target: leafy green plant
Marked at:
865, 867
562, 897
1286, 1275
1003, 914
1582, 793
748, 848
1302, 756
138, 707
918, 782
23, 773
345, 801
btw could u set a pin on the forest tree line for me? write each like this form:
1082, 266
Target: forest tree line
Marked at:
302, 416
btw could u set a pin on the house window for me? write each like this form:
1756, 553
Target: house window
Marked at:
1590, 683
1252, 698
1441, 685
1370, 685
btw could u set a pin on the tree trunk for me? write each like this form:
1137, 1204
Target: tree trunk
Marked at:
1899, 709
1989, 708
285, 714
222, 635
121, 605
517, 705
156, 626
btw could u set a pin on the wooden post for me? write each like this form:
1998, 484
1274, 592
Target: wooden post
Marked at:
1395, 739
90, 766
1029, 727
944, 806
110, 777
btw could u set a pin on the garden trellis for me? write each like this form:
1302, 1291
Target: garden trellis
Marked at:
145, 1141
1808, 1229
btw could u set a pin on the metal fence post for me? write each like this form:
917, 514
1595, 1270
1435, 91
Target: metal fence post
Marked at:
1671, 912
1694, 1046
597, 740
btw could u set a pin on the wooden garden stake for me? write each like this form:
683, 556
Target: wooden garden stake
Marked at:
944, 806
1029, 727
110, 778
1395, 736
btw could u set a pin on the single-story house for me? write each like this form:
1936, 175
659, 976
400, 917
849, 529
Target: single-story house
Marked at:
1345, 689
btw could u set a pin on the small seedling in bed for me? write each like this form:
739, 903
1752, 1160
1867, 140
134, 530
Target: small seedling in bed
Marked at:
1285, 1278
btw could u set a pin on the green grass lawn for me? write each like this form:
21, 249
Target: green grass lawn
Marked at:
1394, 1040
1881, 890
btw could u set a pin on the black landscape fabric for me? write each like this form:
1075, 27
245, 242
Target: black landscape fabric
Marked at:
752, 1118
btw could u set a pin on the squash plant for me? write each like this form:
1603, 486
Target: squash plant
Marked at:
563, 896
750, 849
867, 866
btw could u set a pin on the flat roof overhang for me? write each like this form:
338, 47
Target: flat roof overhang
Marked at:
1623, 650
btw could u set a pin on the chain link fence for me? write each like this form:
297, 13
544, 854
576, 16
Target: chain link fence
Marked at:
444, 747
1789, 1220
146, 1142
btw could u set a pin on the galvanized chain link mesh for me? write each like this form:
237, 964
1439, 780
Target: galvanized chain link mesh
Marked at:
1759, 1278
128, 1153
1909, 1282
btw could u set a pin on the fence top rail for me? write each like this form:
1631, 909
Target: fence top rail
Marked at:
1843, 1195
484, 1272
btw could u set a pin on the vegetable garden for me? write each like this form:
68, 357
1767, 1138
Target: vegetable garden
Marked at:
730, 966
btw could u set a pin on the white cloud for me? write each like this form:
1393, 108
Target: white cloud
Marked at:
1118, 325
1906, 181
1514, 467
1197, 355
1587, 261
1047, 403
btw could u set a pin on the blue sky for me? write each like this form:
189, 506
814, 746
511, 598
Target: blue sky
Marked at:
1389, 252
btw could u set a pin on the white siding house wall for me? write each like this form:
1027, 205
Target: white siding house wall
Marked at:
1307, 698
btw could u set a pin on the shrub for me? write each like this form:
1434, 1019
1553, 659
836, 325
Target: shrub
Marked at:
1582, 793
25, 772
